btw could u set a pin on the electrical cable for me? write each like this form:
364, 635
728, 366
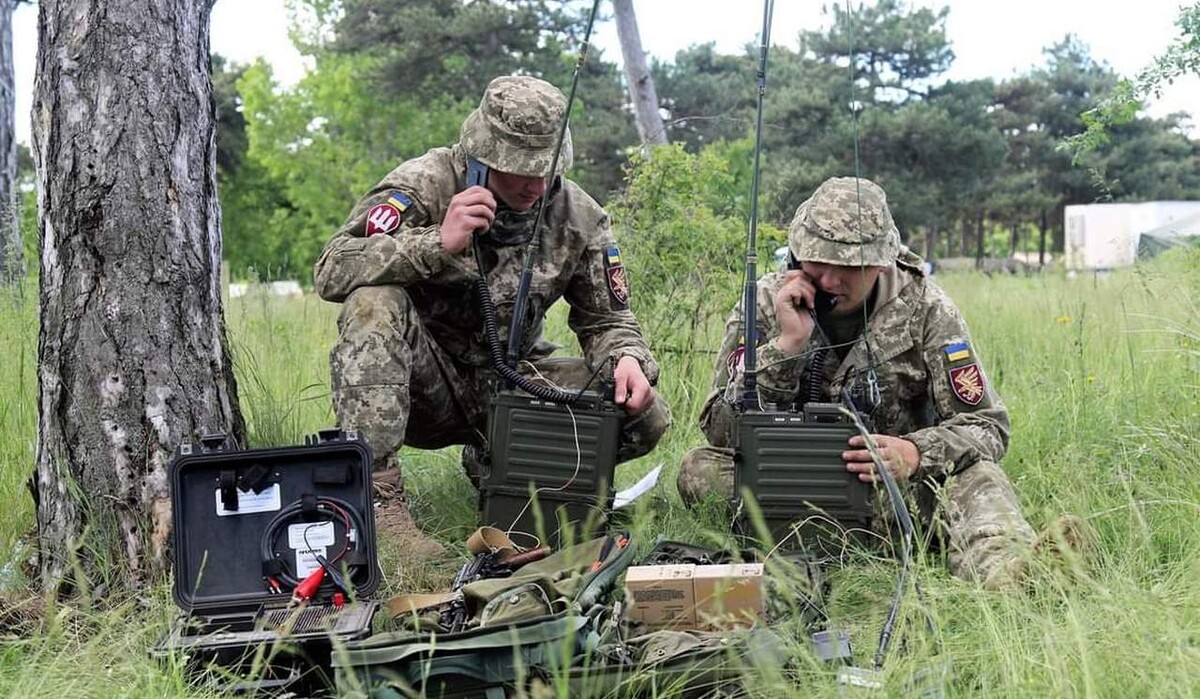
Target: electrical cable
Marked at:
491, 335
903, 519
335, 509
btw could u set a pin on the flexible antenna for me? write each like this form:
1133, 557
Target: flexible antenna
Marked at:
872, 388
903, 519
515, 329
750, 298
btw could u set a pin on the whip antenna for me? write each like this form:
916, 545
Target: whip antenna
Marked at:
750, 299
515, 330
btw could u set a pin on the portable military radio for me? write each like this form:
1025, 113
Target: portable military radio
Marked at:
550, 463
790, 462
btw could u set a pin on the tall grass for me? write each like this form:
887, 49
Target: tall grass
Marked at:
1102, 380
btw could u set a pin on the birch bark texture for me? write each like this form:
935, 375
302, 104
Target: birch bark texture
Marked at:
132, 357
637, 75
12, 259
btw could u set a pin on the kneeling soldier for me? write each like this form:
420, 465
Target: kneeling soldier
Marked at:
411, 365
891, 332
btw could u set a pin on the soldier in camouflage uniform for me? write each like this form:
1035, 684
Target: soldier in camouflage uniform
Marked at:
411, 364
942, 428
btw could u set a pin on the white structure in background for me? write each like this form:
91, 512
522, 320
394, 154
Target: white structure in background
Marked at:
1104, 236
281, 288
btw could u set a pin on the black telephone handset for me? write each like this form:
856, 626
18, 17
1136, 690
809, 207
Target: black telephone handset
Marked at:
824, 301
477, 175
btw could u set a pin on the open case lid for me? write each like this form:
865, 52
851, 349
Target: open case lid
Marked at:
225, 500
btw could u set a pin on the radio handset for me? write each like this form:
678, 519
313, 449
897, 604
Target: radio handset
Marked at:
823, 301
477, 173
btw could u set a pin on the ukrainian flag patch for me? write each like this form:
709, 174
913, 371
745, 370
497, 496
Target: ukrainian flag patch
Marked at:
613, 254
958, 351
400, 201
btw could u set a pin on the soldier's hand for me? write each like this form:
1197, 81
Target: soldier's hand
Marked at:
792, 302
899, 455
472, 209
633, 389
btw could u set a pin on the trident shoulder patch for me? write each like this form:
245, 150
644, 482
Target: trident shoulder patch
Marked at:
735, 360
382, 218
967, 383
618, 279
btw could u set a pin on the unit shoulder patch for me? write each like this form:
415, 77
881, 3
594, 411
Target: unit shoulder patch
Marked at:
967, 382
617, 278
735, 360
382, 218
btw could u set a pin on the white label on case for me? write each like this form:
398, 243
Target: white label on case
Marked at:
310, 535
306, 561
250, 502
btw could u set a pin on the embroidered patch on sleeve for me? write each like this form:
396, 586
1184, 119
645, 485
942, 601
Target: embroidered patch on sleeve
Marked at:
958, 351
735, 360
382, 218
618, 279
400, 200
967, 383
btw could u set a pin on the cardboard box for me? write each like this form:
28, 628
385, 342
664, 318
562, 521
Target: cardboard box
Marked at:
728, 596
661, 596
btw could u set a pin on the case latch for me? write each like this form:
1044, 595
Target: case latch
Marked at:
213, 442
330, 434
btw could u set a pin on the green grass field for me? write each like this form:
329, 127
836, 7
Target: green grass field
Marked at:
1101, 377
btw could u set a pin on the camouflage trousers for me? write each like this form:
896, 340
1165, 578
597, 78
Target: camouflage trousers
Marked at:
394, 384
975, 512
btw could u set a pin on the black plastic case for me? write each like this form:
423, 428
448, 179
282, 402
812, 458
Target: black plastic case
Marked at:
223, 501
566, 456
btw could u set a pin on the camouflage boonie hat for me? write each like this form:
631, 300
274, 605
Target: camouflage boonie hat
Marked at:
845, 223
516, 126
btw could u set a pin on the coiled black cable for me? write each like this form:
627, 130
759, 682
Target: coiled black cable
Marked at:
816, 375
335, 508
491, 335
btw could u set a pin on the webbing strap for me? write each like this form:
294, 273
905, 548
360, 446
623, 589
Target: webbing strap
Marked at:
403, 605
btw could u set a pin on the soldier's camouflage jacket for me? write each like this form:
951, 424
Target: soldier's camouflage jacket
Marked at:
577, 260
933, 390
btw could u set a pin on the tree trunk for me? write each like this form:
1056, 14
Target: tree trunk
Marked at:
1014, 240
931, 241
964, 234
131, 355
641, 84
979, 240
1042, 240
12, 260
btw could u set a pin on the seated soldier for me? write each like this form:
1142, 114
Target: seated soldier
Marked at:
941, 427
411, 365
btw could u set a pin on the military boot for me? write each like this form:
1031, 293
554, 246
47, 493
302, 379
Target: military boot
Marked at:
1062, 545
1066, 537
475, 461
394, 521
